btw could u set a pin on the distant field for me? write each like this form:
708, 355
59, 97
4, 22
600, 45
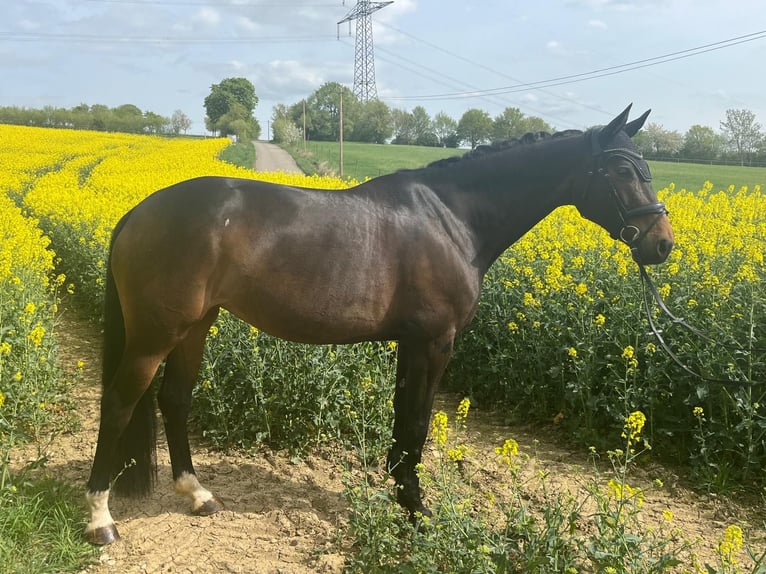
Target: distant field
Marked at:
691, 176
363, 161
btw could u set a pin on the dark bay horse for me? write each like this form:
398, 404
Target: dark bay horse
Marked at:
400, 257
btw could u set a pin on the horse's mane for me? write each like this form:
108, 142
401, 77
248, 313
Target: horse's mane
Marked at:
494, 147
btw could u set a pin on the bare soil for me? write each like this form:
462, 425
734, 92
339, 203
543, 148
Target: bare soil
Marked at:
284, 516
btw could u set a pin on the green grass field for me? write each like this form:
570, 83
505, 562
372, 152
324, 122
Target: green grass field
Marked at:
363, 161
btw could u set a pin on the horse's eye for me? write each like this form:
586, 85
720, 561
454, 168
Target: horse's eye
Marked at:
624, 171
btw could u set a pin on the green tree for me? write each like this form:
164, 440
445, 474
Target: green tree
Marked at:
508, 125
231, 93
423, 131
445, 129
475, 127
659, 142
403, 127
373, 124
323, 112
742, 133
512, 124
700, 142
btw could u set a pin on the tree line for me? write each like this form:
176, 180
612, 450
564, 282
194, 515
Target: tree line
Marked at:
126, 118
740, 139
376, 122
231, 104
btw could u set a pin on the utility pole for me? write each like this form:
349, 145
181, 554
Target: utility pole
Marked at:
364, 59
341, 131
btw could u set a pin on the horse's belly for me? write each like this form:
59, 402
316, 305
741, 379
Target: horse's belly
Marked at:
314, 317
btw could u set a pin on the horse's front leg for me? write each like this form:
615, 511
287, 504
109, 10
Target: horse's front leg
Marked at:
418, 371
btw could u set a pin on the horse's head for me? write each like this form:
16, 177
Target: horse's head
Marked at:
618, 194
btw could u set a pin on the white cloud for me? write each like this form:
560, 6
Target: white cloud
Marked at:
208, 16
597, 24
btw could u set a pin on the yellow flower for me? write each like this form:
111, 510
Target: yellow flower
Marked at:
508, 452
634, 424
698, 411
36, 335
458, 453
627, 353
392, 345
439, 428
572, 352
730, 545
213, 331
462, 410
5, 348
667, 515
513, 327
2, 399
599, 320
623, 492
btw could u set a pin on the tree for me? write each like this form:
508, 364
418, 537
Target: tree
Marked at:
422, 127
373, 124
700, 142
285, 131
323, 112
179, 122
656, 141
508, 125
445, 129
742, 132
403, 127
475, 127
224, 96
512, 123
239, 122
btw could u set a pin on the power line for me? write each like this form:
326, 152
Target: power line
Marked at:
233, 4
492, 70
104, 39
594, 74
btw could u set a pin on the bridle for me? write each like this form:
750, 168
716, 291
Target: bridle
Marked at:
629, 233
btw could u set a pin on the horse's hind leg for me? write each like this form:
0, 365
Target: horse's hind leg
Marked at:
418, 371
175, 403
123, 399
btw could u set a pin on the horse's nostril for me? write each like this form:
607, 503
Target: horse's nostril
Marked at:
664, 247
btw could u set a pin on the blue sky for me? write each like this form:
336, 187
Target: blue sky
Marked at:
446, 55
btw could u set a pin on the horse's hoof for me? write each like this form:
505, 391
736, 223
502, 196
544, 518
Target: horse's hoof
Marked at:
102, 535
210, 506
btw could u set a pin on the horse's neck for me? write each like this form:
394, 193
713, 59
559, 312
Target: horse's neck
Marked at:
500, 201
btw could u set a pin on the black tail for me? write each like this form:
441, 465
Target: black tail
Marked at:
135, 459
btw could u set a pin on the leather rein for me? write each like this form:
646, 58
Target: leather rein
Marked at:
631, 235
646, 281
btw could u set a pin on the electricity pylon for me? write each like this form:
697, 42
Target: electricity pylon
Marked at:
364, 60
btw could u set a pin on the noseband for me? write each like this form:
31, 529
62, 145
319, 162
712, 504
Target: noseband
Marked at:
629, 234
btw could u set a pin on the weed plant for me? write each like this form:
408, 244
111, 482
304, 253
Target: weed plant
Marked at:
256, 388
508, 518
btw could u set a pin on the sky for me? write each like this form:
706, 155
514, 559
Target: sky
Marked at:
574, 63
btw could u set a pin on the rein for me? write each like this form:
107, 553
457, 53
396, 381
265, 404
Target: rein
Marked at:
647, 281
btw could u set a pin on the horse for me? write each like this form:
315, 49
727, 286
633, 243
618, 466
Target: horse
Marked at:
400, 257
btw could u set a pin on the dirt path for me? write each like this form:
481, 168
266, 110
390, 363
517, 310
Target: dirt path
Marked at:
283, 517
271, 157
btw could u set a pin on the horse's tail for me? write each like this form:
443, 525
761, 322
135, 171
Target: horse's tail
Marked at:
134, 462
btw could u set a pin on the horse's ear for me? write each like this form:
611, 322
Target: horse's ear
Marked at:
608, 132
631, 128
